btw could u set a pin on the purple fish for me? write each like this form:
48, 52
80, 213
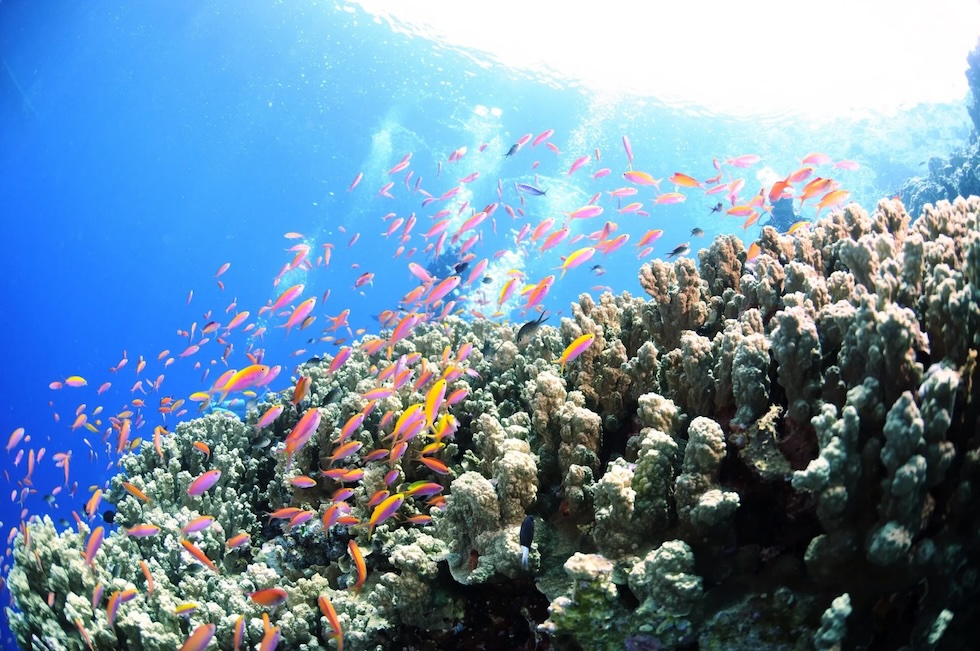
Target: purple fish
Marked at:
530, 189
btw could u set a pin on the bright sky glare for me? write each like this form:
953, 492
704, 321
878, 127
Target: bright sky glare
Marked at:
829, 58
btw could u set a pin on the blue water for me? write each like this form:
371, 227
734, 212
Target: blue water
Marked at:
143, 146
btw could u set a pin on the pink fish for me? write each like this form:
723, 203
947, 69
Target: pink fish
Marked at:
342, 356
398, 168
670, 197
601, 173
302, 311
525, 139
472, 222
629, 150
203, 483
284, 299
608, 246
469, 178
394, 226
623, 192
544, 135
383, 192
746, 160
357, 179
352, 424
817, 159
555, 238
419, 272
649, 237
553, 147
199, 523
849, 165
270, 416
640, 178
477, 272
443, 288
142, 530
303, 431
630, 207
364, 279
579, 162
585, 212
450, 193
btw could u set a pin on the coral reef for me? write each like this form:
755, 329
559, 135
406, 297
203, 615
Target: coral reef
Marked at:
778, 453
959, 174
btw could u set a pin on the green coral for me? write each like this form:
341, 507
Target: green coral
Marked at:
669, 592
700, 501
590, 612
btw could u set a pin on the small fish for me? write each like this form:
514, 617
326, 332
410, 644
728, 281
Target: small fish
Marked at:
526, 538
530, 189
513, 150
527, 330
199, 639
697, 232
717, 207
680, 250
576, 348
358, 558
333, 396
269, 597
203, 483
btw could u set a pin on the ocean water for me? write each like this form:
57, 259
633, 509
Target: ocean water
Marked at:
142, 147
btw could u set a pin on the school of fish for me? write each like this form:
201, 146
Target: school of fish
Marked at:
448, 225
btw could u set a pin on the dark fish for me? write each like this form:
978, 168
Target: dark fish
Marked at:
313, 360
697, 232
528, 329
597, 269
530, 189
49, 498
63, 523
262, 443
461, 267
717, 208
333, 396
526, 538
513, 150
109, 516
680, 250
487, 280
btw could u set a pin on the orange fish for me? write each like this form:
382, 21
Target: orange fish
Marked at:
200, 556
331, 614
832, 200
684, 180
199, 639
358, 558
269, 597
